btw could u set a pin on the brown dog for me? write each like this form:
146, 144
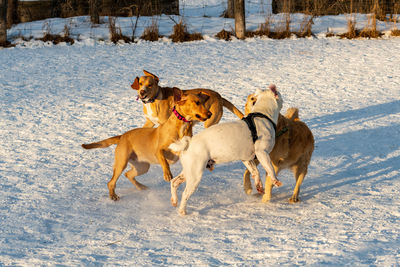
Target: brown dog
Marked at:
158, 101
294, 145
144, 146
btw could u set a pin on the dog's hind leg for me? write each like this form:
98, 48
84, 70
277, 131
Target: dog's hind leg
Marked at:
138, 168
268, 185
252, 168
193, 175
299, 172
175, 183
246, 180
122, 155
247, 183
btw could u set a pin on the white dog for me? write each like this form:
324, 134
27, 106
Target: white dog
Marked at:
231, 141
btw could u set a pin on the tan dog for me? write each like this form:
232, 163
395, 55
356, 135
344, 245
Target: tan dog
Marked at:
293, 148
144, 146
158, 101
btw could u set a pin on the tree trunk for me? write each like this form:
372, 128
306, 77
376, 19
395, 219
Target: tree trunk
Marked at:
230, 11
94, 11
240, 22
3, 22
12, 16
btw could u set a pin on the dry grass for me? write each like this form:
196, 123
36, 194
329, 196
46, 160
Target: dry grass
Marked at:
7, 44
394, 19
181, 34
151, 33
395, 32
370, 30
265, 28
116, 32
56, 38
352, 32
225, 35
281, 31
306, 27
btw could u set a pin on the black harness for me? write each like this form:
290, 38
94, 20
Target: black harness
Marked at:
249, 119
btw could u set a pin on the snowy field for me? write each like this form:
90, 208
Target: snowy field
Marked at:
54, 205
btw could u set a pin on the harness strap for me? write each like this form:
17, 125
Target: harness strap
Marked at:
179, 116
249, 119
284, 130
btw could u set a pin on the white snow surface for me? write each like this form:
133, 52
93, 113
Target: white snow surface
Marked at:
54, 200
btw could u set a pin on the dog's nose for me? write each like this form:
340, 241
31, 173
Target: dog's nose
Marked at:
209, 114
142, 92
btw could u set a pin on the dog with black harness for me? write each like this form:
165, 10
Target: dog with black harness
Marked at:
231, 141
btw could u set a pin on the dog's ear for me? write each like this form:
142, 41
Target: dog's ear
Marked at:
203, 96
177, 94
135, 84
151, 75
272, 87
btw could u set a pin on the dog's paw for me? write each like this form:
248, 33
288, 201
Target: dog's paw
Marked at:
277, 183
114, 197
167, 177
182, 212
260, 188
248, 191
174, 202
266, 198
293, 200
141, 187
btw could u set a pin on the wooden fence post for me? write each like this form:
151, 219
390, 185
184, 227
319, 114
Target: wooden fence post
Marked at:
3, 22
240, 22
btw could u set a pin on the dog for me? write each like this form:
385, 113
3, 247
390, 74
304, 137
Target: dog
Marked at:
230, 141
158, 101
144, 146
294, 145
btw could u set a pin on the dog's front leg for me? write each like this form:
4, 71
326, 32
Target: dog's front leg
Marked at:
175, 183
252, 167
265, 161
164, 164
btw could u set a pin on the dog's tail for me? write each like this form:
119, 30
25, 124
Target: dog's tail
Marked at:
180, 145
232, 108
105, 143
292, 114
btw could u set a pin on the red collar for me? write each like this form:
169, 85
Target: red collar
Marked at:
179, 116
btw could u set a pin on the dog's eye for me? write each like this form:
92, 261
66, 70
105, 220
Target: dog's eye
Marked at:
197, 102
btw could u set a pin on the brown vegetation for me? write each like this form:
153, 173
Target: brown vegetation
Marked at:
181, 34
151, 32
116, 32
225, 35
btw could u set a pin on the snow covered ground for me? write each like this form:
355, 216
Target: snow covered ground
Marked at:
54, 205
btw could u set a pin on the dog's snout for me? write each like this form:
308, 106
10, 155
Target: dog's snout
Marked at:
209, 114
142, 92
